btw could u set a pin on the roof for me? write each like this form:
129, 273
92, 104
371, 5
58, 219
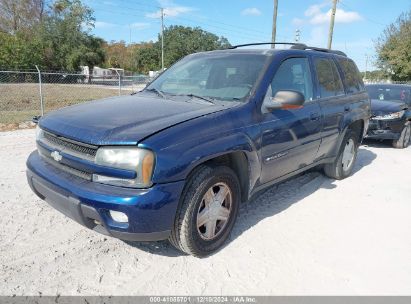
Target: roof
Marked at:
267, 51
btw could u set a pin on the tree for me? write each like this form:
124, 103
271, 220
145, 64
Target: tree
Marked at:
20, 15
148, 58
17, 52
65, 34
180, 41
393, 49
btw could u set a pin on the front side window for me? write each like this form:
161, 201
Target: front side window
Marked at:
228, 77
329, 80
352, 77
294, 74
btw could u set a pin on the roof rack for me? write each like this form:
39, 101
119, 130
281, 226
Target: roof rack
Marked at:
265, 43
294, 46
313, 48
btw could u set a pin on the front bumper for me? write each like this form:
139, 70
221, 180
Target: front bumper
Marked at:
150, 211
385, 129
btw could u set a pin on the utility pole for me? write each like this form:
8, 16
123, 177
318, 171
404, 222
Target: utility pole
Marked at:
162, 39
274, 23
330, 32
297, 35
366, 66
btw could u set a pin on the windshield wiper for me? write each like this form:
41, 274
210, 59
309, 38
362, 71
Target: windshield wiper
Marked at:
159, 93
208, 99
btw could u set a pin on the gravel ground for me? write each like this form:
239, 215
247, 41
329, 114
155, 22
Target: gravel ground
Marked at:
308, 236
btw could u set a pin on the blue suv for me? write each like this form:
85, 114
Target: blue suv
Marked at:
175, 160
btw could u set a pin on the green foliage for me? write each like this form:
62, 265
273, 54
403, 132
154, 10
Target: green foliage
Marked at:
148, 58
16, 51
58, 38
376, 75
60, 41
394, 49
179, 41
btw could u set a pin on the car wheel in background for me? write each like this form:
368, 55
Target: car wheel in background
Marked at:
207, 212
405, 137
345, 160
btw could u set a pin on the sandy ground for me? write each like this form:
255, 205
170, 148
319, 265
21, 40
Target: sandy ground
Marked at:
310, 235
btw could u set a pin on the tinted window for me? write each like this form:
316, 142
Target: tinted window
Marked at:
328, 78
294, 74
221, 76
352, 77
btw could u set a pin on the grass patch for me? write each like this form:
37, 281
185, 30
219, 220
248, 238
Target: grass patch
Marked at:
20, 102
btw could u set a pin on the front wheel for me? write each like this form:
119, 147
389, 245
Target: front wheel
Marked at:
405, 138
207, 211
343, 165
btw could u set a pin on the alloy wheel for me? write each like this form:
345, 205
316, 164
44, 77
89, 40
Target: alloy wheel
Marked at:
214, 211
348, 154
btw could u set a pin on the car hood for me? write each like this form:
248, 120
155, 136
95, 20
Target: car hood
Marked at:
381, 107
123, 120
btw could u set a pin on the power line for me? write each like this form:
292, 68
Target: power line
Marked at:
366, 18
246, 34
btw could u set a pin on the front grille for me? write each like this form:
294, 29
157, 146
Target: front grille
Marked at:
70, 170
46, 156
70, 146
75, 148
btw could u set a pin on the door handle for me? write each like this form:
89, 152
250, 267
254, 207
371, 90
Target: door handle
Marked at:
314, 116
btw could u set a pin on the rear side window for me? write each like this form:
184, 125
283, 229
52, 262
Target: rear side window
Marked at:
294, 74
328, 77
352, 77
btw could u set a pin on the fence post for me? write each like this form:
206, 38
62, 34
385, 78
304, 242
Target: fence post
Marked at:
41, 92
119, 82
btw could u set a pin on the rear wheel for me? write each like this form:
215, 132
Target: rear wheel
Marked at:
344, 163
207, 211
405, 138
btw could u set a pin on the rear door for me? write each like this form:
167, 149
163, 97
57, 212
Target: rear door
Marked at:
332, 100
290, 138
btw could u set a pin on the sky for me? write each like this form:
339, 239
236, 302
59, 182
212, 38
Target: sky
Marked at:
358, 23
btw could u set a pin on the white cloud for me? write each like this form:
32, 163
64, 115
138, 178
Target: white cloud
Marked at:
317, 37
171, 12
318, 16
251, 11
139, 25
297, 22
104, 25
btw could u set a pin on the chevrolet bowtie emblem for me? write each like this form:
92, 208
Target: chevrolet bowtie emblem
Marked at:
56, 156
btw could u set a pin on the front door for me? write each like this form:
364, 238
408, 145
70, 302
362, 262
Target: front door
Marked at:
290, 138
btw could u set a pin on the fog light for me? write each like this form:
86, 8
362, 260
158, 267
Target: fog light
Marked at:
119, 216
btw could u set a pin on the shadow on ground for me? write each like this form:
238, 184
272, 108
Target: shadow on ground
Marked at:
268, 203
374, 143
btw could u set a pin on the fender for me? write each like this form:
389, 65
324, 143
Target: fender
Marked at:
407, 114
356, 114
193, 153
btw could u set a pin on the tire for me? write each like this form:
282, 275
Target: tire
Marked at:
338, 169
186, 235
405, 138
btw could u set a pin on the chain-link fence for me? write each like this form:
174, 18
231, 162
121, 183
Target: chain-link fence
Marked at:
25, 94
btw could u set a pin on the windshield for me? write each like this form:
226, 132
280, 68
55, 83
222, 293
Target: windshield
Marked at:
389, 93
223, 76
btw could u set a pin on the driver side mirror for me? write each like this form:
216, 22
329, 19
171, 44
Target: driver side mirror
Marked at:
285, 100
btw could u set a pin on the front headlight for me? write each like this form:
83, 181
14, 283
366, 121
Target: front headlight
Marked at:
39, 133
131, 158
395, 115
